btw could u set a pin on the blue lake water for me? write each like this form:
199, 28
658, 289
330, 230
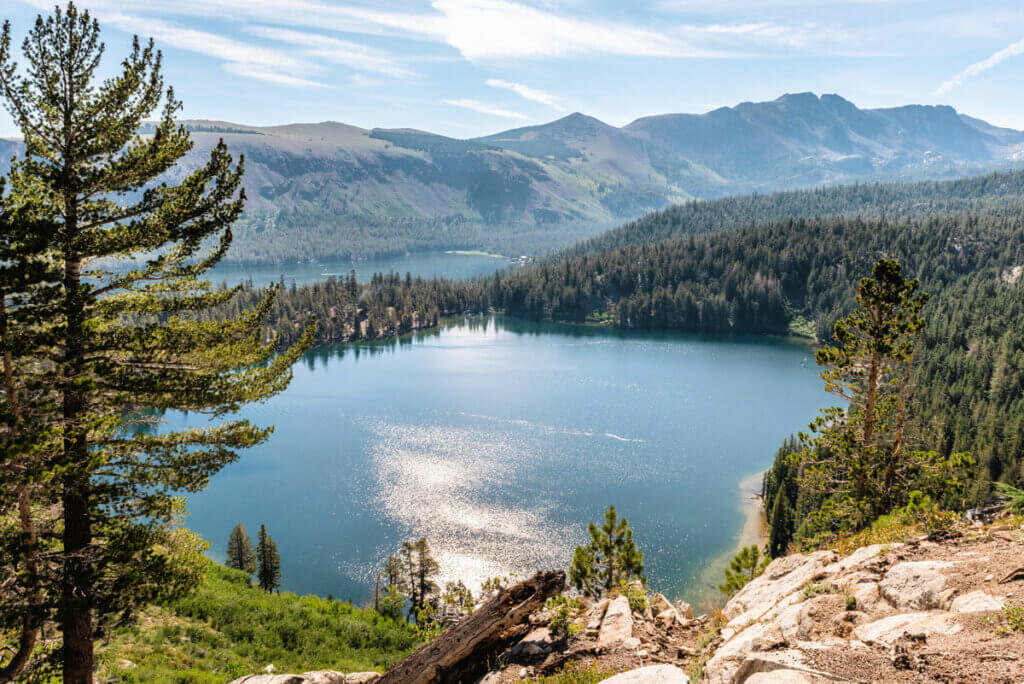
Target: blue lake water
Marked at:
499, 440
426, 264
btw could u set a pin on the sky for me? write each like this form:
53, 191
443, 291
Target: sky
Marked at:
466, 68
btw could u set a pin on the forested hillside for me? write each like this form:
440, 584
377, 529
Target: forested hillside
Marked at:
994, 193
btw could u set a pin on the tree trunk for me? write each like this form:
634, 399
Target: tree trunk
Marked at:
464, 652
76, 589
76, 582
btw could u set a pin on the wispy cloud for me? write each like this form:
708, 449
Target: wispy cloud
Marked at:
262, 73
325, 48
244, 59
484, 108
528, 93
984, 65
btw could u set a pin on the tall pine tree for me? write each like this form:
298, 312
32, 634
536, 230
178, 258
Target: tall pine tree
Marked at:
269, 572
112, 325
240, 553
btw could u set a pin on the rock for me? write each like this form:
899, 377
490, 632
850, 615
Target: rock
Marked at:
659, 604
732, 653
916, 585
617, 625
318, 677
269, 669
653, 674
668, 618
684, 609
780, 677
125, 664
492, 677
323, 677
778, 666
976, 602
362, 677
889, 629
536, 643
782, 578
772, 638
595, 615
631, 643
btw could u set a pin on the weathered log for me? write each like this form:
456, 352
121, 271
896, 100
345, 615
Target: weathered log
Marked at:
463, 652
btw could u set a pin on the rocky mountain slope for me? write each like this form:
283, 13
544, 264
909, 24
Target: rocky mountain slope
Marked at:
330, 189
922, 611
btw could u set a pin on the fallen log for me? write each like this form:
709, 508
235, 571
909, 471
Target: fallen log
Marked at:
464, 652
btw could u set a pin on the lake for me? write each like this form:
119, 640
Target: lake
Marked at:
500, 439
451, 265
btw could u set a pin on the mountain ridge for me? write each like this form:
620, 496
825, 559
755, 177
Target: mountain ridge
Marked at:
332, 189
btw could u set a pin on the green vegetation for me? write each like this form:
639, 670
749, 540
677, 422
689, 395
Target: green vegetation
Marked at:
811, 590
563, 609
268, 571
1010, 620
240, 553
579, 673
610, 560
745, 566
228, 628
89, 355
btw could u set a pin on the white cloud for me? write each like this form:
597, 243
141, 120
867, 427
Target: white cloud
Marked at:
484, 108
243, 59
984, 65
262, 73
326, 48
528, 93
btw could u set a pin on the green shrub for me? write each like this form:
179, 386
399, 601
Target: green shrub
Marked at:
228, 629
1010, 620
636, 595
563, 611
811, 590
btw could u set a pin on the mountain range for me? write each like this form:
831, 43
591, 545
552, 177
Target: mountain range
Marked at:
330, 189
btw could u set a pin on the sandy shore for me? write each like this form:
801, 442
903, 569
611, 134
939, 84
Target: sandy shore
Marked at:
704, 591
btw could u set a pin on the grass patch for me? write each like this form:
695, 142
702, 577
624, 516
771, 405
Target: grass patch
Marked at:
228, 629
578, 673
811, 590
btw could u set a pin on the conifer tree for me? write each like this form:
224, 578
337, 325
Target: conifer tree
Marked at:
420, 569
269, 572
240, 553
781, 526
96, 342
858, 457
610, 560
745, 566
23, 278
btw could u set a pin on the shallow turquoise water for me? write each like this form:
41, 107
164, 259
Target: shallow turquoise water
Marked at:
500, 439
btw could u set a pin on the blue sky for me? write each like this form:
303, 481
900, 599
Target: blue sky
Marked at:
471, 67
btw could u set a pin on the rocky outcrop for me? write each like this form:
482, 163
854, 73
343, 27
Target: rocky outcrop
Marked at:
318, 677
917, 611
617, 625
652, 674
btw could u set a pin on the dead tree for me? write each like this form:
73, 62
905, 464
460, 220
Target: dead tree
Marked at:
464, 652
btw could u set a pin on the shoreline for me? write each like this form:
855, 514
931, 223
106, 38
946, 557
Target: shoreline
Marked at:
704, 590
